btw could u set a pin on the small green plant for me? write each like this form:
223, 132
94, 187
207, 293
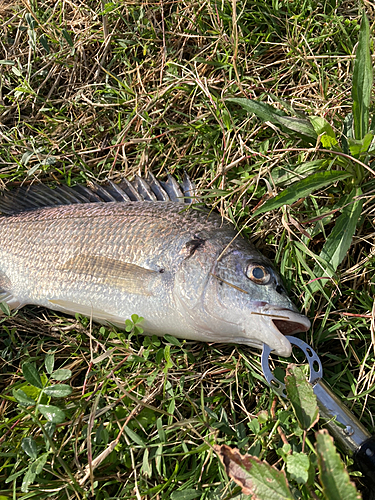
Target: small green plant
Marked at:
346, 161
34, 398
133, 325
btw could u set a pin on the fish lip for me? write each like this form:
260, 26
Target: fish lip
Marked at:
287, 321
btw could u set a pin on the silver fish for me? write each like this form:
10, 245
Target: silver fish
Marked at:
186, 271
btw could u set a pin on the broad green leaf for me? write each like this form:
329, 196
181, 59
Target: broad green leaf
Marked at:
358, 147
44, 41
134, 437
168, 359
29, 447
49, 429
30, 391
172, 340
31, 375
188, 494
268, 113
301, 396
136, 319
297, 466
28, 479
39, 463
22, 398
362, 81
129, 325
61, 374
52, 413
67, 37
30, 21
262, 110
58, 390
49, 362
324, 130
333, 475
339, 241
301, 189
34, 469
299, 125
256, 478
14, 476
146, 469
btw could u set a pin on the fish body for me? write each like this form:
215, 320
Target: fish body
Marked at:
185, 271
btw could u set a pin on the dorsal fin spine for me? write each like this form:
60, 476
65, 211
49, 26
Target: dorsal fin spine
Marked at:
150, 189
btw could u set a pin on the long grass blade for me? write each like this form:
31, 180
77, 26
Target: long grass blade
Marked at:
268, 113
362, 81
340, 239
301, 189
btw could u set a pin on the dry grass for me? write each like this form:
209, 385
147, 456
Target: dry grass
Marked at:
98, 91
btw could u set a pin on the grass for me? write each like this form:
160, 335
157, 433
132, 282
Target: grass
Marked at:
95, 90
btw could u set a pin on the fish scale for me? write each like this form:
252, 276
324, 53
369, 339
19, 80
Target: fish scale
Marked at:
184, 270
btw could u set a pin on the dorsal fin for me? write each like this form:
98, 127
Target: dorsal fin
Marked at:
157, 188
150, 189
173, 189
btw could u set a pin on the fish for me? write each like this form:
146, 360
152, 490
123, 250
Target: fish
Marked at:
142, 247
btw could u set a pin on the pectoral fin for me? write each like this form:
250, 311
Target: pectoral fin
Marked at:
6, 295
113, 272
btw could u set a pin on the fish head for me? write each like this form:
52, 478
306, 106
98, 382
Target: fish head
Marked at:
240, 298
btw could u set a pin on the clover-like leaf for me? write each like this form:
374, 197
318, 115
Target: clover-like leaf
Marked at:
31, 375
58, 390
52, 413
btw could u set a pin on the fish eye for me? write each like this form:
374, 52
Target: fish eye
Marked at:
258, 273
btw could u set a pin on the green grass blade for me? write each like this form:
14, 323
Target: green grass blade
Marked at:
134, 437
268, 113
262, 110
339, 241
301, 189
362, 81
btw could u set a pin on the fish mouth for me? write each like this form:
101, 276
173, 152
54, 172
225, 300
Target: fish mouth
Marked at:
289, 322
283, 322
290, 327
286, 321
